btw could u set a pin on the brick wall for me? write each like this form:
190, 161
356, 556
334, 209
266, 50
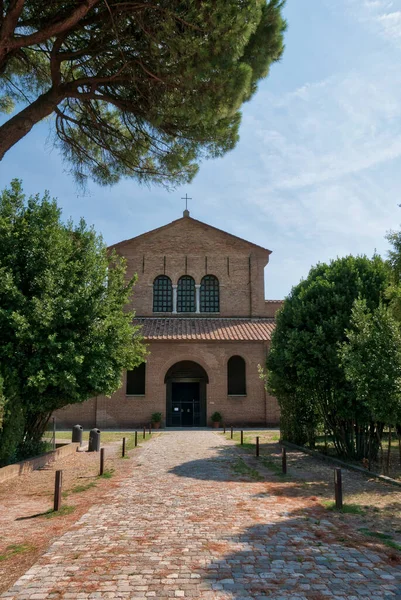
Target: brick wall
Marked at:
256, 408
188, 247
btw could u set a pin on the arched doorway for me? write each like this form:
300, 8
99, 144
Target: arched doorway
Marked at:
186, 395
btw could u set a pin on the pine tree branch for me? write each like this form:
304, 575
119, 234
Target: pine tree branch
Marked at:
54, 29
10, 20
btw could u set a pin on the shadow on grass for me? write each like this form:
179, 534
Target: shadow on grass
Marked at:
49, 514
42, 514
313, 472
313, 482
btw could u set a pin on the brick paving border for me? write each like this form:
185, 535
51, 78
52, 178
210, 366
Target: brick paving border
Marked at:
184, 525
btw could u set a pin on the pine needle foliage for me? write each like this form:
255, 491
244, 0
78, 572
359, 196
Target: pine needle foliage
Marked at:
138, 89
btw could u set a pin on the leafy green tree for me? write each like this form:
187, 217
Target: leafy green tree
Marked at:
12, 424
394, 255
304, 370
2, 402
371, 358
142, 90
64, 333
394, 260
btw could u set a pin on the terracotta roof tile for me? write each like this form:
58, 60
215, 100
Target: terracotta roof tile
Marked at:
204, 328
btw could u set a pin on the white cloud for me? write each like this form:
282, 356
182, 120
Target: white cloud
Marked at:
384, 16
334, 128
317, 173
326, 161
317, 161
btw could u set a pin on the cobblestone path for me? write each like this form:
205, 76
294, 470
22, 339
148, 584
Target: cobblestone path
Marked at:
186, 526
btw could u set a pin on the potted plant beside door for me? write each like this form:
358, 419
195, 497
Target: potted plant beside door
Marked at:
156, 420
216, 419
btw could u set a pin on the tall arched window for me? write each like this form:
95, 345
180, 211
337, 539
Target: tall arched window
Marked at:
162, 294
186, 294
209, 294
236, 376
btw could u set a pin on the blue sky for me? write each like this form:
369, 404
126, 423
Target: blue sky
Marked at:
317, 171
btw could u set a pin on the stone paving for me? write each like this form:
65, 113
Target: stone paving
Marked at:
185, 526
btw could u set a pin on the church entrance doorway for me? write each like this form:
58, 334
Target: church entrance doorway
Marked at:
186, 395
185, 404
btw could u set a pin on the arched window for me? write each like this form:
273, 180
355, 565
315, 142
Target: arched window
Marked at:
209, 294
162, 294
136, 381
236, 376
186, 294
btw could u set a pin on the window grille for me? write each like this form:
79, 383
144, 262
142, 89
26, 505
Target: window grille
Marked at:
186, 301
162, 294
209, 294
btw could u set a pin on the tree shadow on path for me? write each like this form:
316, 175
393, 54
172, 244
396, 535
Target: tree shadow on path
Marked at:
311, 553
226, 466
299, 557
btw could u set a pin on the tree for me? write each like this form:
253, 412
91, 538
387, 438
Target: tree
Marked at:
64, 333
138, 89
304, 370
371, 358
394, 260
12, 423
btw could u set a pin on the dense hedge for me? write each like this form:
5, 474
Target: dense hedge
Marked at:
304, 365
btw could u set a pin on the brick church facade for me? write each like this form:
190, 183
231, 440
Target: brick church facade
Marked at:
199, 300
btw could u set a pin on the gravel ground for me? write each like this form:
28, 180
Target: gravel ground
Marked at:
198, 518
25, 532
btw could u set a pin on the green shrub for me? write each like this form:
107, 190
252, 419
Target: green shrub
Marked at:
216, 417
32, 448
11, 431
304, 370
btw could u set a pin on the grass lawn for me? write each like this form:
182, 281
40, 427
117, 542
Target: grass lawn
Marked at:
268, 438
325, 445
106, 437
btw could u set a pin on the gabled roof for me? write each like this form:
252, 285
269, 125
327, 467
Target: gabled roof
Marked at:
193, 222
238, 329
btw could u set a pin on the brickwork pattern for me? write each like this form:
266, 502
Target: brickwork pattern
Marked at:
257, 407
189, 247
184, 527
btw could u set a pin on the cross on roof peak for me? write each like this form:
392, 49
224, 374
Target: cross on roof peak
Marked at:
186, 211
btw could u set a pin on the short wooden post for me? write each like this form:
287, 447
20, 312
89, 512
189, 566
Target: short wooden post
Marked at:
284, 460
136, 438
57, 490
101, 461
338, 488
144, 432
150, 428
123, 447
224, 429
242, 437
232, 429
257, 446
